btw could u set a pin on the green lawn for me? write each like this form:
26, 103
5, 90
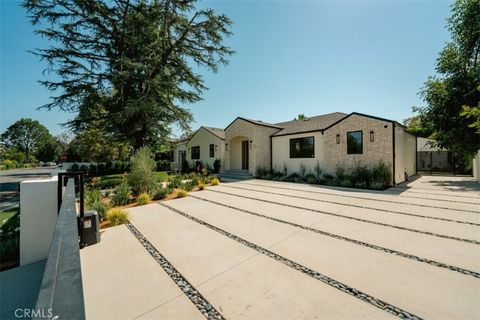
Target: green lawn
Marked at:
9, 219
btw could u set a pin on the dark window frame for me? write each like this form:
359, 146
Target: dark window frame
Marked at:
211, 150
191, 153
292, 152
349, 151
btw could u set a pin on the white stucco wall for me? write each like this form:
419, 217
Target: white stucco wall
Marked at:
38, 216
405, 154
281, 153
476, 166
203, 138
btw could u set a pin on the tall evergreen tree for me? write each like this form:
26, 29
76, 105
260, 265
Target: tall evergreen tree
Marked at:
132, 57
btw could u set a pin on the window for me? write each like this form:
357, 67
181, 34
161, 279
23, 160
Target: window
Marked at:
302, 147
212, 150
195, 153
355, 142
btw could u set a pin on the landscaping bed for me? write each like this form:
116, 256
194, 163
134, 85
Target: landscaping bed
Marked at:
9, 238
376, 177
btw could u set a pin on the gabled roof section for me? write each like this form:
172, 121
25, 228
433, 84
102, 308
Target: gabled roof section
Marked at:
311, 124
256, 122
363, 115
220, 133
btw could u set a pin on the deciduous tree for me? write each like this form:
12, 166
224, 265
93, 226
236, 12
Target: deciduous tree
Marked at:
453, 95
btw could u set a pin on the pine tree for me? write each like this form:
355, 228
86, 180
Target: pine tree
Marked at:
134, 58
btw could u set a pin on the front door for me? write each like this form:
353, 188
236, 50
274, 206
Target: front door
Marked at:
245, 154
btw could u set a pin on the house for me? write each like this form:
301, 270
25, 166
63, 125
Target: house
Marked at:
332, 140
205, 145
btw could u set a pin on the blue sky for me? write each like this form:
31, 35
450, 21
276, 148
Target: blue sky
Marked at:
292, 57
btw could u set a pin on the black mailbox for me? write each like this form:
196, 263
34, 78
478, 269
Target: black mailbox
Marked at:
91, 225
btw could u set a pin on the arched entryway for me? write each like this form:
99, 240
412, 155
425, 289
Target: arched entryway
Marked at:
240, 153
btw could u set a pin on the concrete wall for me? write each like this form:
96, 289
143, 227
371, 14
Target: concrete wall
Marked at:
380, 149
424, 144
259, 152
405, 154
281, 153
476, 167
204, 138
38, 216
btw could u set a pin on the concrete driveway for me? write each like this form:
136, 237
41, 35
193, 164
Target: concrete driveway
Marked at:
271, 250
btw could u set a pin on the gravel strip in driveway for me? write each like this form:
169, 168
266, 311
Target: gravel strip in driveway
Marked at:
385, 198
352, 218
358, 205
365, 244
387, 307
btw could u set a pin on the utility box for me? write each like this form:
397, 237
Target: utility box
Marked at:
91, 225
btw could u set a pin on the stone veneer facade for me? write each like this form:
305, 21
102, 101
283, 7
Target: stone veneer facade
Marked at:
259, 153
380, 149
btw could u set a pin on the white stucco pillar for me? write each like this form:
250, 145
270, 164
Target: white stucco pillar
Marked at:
38, 216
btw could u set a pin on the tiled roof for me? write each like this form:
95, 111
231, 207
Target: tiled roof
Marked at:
216, 131
309, 124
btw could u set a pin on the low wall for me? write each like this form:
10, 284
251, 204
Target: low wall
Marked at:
476, 167
38, 216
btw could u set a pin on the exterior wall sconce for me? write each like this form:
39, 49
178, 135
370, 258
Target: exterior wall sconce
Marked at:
338, 139
372, 136
226, 146
216, 147
251, 142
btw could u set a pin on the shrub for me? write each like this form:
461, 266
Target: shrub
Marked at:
141, 177
217, 165
188, 185
10, 164
346, 183
162, 193
144, 198
101, 207
340, 173
260, 172
198, 166
182, 193
318, 170
163, 165
185, 166
117, 216
381, 174
215, 182
109, 182
377, 186
121, 195
294, 177
175, 181
201, 185
285, 170
327, 179
360, 176
310, 178
92, 196
303, 169
10, 247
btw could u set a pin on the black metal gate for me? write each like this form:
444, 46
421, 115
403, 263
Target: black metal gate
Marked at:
441, 162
